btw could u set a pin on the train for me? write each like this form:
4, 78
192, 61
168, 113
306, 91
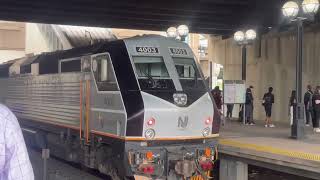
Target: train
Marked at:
135, 106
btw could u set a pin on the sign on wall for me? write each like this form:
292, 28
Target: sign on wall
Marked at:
234, 92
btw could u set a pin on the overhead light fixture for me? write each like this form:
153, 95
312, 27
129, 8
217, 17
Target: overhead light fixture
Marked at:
183, 30
179, 33
172, 32
310, 6
238, 36
250, 35
290, 9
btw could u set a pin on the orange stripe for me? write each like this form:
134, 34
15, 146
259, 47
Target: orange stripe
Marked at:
80, 119
107, 134
141, 138
87, 109
171, 138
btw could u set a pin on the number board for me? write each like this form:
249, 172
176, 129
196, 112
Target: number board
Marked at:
178, 51
147, 50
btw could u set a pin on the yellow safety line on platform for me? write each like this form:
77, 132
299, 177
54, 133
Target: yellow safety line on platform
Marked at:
268, 149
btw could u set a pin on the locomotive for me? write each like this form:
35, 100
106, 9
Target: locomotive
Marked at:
137, 106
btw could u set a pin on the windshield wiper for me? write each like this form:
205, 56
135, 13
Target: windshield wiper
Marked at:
195, 77
149, 77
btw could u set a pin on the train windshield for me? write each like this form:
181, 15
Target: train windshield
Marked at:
152, 73
188, 74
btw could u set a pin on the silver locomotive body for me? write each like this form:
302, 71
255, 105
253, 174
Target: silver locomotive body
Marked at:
127, 107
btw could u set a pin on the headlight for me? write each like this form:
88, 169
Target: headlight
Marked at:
180, 99
150, 133
206, 132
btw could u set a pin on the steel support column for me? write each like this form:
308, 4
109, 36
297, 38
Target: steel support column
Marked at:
244, 75
244, 62
297, 128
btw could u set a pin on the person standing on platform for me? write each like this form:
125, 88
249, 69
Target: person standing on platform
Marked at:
229, 110
316, 109
251, 88
216, 93
292, 105
249, 107
267, 101
308, 105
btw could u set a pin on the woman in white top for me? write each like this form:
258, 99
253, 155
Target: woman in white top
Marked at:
292, 105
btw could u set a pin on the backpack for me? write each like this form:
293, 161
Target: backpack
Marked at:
267, 99
309, 105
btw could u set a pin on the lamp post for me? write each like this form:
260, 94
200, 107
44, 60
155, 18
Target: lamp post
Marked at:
292, 11
244, 39
179, 33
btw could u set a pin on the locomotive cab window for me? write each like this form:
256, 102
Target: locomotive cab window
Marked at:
188, 73
185, 71
103, 73
152, 73
70, 65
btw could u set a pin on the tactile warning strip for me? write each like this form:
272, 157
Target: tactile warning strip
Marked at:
268, 149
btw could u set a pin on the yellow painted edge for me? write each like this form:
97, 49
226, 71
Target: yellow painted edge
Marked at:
268, 149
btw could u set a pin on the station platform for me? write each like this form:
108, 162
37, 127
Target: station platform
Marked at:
271, 148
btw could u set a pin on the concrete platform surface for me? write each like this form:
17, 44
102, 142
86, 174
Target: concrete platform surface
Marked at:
272, 146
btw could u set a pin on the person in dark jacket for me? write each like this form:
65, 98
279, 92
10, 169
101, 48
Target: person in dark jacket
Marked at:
308, 104
249, 107
268, 100
216, 93
316, 109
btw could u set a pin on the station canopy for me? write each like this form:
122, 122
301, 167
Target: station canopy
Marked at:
220, 17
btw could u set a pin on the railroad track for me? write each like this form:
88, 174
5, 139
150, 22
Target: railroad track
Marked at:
59, 169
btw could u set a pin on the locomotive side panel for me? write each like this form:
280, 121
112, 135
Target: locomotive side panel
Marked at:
3, 90
47, 98
106, 105
107, 113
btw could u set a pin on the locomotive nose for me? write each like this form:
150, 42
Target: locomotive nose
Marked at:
167, 120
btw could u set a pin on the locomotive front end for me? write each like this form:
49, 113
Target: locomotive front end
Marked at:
178, 127
172, 160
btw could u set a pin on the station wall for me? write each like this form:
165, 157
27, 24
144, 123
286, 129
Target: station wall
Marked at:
271, 64
12, 42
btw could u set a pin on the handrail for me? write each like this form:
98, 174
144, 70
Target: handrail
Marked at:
87, 109
81, 109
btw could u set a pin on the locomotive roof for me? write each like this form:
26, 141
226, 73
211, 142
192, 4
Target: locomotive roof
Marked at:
91, 49
52, 58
